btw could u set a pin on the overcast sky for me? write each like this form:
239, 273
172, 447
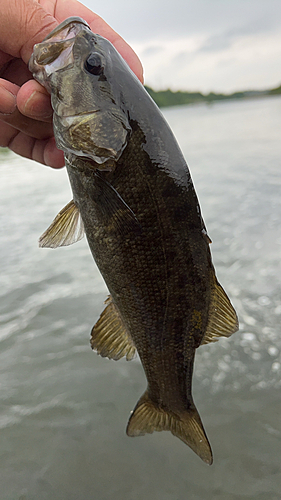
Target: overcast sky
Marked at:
206, 45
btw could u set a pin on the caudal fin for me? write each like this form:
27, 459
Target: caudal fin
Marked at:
147, 418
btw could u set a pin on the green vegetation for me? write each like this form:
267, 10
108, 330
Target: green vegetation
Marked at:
169, 98
4, 151
275, 91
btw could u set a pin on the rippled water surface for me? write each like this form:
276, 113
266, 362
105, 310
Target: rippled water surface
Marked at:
63, 409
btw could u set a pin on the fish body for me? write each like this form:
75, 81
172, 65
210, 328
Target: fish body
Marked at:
134, 198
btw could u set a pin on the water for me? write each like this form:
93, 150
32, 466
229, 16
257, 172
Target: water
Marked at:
63, 409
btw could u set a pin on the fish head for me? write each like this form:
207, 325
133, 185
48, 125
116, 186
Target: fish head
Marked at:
83, 73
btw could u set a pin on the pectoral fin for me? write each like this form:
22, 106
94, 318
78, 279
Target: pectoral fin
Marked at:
109, 336
66, 228
147, 418
115, 211
223, 320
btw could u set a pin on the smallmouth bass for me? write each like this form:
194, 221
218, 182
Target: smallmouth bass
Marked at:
134, 199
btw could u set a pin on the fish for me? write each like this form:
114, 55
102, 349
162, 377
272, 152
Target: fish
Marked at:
134, 198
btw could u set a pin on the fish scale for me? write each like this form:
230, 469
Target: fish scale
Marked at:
134, 198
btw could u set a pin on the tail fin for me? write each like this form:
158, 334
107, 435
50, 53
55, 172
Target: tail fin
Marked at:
147, 418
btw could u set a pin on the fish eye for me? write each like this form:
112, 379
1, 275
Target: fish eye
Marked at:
93, 64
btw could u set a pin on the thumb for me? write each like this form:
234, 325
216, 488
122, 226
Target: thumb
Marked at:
22, 24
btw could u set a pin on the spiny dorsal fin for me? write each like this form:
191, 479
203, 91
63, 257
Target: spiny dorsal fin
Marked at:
66, 228
148, 417
223, 320
109, 336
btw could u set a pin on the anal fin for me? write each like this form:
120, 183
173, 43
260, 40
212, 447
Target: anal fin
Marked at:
148, 417
109, 337
222, 321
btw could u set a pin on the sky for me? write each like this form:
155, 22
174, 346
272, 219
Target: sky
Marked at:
201, 45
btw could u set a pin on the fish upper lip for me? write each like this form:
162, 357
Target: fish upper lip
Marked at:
64, 25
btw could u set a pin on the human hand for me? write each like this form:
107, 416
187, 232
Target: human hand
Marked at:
25, 107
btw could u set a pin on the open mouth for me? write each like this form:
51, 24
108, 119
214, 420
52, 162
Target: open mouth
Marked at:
55, 52
68, 29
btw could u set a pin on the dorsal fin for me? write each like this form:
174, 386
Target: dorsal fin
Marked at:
109, 336
223, 320
147, 417
66, 228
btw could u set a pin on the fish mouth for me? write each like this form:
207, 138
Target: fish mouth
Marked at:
68, 29
55, 51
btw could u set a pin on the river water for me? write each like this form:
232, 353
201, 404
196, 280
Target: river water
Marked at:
63, 409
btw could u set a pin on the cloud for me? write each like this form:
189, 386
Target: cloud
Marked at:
152, 50
152, 19
226, 38
245, 62
202, 45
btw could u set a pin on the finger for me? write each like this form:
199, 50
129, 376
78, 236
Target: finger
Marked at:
34, 101
42, 151
8, 99
30, 127
22, 24
16, 71
99, 26
17, 121
64, 9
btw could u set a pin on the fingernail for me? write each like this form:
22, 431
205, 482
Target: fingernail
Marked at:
38, 106
8, 102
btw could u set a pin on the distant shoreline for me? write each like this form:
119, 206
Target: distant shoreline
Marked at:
165, 98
